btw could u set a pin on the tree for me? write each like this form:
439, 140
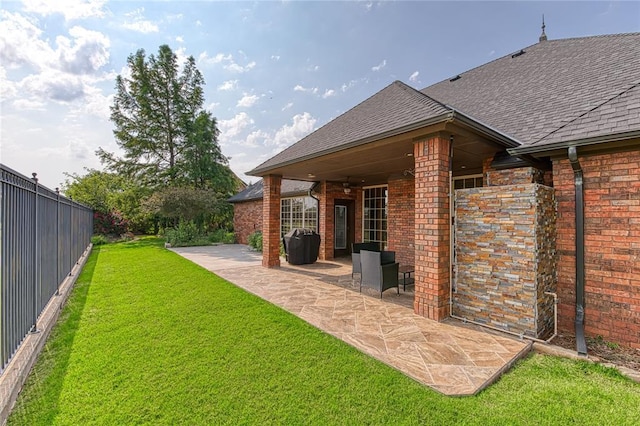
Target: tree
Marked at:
110, 195
167, 137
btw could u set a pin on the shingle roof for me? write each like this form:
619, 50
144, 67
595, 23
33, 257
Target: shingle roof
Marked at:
554, 90
614, 116
289, 188
532, 95
395, 107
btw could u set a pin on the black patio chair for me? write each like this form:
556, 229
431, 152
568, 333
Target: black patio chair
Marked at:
377, 275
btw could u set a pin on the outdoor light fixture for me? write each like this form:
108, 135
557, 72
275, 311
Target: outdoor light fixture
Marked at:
346, 188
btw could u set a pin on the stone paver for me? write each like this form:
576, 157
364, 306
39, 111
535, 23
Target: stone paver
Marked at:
450, 357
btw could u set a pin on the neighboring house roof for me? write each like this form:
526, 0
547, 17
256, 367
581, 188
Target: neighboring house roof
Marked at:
288, 188
553, 90
532, 95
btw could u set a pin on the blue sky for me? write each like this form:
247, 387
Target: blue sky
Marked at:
274, 71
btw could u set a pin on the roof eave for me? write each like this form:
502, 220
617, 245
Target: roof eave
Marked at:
486, 130
548, 149
261, 171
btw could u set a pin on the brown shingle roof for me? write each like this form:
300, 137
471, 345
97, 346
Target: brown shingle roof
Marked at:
534, 94
394, 108
552, 91
288, 188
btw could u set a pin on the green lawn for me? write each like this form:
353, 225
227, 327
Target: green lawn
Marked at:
149, 338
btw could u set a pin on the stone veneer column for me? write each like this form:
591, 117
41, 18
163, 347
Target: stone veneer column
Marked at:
271, 221
432, 227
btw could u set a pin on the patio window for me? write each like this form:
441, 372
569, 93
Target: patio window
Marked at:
374, 227
298, 212
466, 182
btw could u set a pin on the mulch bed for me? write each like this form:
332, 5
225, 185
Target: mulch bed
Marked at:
603, 350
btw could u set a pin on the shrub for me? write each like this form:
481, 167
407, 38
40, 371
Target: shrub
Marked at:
255, 241
186, 233
109, 223
222, 236
98, 240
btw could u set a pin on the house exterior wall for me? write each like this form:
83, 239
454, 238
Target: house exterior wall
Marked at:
612, 245
506, 257
247, 219
401, 219
328, 192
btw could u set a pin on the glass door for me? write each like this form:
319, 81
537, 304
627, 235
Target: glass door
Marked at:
340, 230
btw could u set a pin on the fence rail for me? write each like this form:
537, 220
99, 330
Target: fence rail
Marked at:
42, 236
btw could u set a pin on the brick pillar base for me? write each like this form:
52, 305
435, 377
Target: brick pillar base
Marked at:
271, 221
432, 227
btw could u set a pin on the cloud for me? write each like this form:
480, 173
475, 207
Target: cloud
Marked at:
328, 93
299, 88
137, 22
414, 77
180, 39
87, 52
21, 44
29, 105
227, 61
228, 85
54, 85
303, 124
379, 66
247, 100
275, 57
233, 67
353, 83
287, 106
234, 126
70, 9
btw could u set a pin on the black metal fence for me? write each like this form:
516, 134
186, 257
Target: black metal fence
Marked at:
43, 234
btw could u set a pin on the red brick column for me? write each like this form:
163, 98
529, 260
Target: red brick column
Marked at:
432, 227
271, 221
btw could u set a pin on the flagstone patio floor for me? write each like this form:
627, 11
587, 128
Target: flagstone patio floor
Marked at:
451, 357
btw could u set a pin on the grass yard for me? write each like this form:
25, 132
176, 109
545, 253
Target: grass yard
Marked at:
150, 338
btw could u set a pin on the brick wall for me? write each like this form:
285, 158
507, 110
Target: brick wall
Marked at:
271, 221
612, 245
506, 257
247, 218
401, 219
328, 192
432, 227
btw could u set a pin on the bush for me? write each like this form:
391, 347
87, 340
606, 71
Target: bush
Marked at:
222, 236
109, 223
187, 234
98, 240
255, 241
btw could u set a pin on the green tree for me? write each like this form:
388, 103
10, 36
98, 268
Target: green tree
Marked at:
160, 124
109, 193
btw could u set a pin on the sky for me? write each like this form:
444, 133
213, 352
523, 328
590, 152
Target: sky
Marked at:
274, 70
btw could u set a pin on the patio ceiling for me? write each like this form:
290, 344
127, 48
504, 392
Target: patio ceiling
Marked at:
375, 162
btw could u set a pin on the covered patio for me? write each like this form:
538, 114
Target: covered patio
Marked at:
385, 168
450, 357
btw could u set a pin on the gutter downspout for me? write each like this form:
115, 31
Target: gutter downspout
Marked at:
581, 344
318, 201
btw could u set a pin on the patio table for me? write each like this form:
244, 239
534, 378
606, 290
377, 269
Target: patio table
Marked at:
406, 271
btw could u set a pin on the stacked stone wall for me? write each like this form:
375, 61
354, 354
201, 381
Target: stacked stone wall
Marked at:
505, 257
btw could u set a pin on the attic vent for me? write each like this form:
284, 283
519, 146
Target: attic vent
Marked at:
520, 53
457, 77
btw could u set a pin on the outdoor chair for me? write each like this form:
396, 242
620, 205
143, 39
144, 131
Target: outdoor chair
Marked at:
355, 255
377, 275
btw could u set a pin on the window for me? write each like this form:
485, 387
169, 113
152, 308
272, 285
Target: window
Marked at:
374, 227
298, 212
466, 182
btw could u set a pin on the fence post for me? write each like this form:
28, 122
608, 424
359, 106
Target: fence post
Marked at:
36, 268
57, 241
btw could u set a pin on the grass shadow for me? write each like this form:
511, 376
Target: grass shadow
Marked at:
46, 379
